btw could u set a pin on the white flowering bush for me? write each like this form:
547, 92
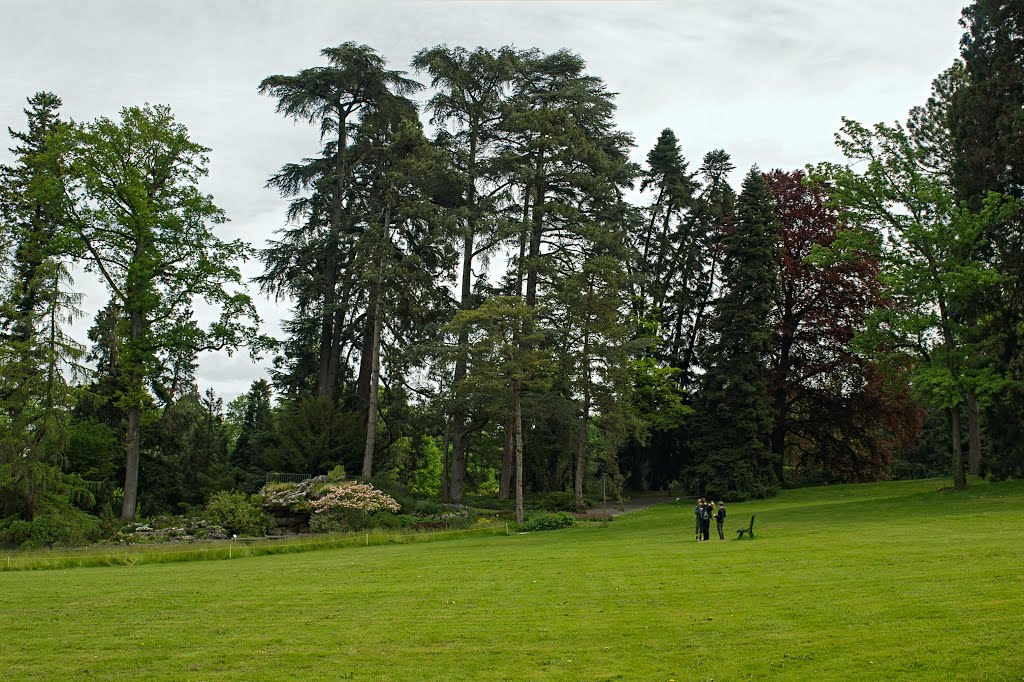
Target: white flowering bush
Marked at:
356, 496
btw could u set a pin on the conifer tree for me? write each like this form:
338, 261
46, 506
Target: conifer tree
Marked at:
36, 303
663, 248
713, 213
252, 450
562, 150
470, 89
987, 117
317, 255
505, 363
407, 243
735, 412
588, 327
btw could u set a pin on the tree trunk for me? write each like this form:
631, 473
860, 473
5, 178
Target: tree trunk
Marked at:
536, 233
658, 295
324, 383
363, 379
457, 489
779, 434
371, 416
974, 433
581, 450
131, 466
446, 461
131, 461
507, 461
959, 472
781, 408
335, 353
523, 244
655, 207
517, 416
330, 329
25, 327
341, 309
459, 445
508, 456
698, 319
645, 265
959, 475
52, 354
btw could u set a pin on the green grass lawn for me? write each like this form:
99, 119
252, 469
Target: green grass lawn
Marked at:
902, 580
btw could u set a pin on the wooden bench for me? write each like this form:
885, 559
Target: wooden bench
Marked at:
750, 530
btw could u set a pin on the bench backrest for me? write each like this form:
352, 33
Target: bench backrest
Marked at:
752, 521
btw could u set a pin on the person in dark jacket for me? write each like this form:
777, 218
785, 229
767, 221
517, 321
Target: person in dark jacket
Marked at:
696, 516
705, 520
720, 517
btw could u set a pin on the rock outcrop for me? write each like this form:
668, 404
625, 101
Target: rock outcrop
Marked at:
289, 505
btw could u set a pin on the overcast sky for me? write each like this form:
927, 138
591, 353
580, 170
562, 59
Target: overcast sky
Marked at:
766, 80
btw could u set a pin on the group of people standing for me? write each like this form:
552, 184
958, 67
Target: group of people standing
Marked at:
704, 512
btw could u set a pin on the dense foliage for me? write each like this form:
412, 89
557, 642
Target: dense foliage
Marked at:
511, 307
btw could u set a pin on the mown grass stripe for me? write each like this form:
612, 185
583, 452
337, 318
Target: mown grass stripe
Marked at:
222, 550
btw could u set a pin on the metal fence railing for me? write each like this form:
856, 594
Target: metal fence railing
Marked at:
282, 477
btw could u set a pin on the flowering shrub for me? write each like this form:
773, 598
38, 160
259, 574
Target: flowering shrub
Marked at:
353, 495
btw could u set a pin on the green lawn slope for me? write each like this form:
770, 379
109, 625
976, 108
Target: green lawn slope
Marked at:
900, 580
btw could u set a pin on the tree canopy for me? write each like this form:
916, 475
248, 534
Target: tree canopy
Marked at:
492, 292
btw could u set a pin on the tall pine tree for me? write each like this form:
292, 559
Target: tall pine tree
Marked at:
470, 89
735, 415
317, 256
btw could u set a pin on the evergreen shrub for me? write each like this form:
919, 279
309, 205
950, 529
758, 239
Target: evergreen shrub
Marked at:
72, 527
547, 522
238, 513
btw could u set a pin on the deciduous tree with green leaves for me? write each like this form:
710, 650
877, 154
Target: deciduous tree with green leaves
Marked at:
986, 133
902, 209
148, 231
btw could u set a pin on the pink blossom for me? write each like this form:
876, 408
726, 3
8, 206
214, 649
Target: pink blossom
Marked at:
354, 495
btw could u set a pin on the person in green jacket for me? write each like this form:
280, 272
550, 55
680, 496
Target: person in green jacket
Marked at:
720, 517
